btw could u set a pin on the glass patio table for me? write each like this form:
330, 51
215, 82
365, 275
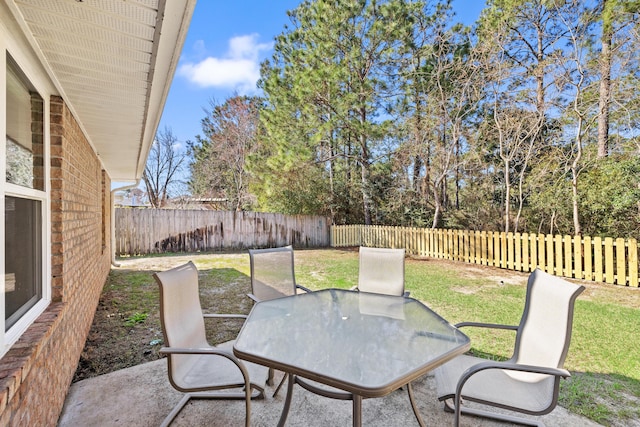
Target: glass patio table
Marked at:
366, 345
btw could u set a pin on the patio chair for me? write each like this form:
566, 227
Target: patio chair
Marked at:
272, 273
381, 271
196, 368
528, 382
273, 276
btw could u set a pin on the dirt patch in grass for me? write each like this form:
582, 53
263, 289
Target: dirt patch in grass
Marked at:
126, 328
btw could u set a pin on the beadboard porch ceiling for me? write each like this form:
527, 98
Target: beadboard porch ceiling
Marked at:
113, 62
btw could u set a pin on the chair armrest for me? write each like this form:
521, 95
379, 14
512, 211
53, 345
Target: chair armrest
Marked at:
199, 350
307, 290
509, 366
209, 351
486, 325
224, 316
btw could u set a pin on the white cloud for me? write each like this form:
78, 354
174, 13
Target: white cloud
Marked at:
238, 69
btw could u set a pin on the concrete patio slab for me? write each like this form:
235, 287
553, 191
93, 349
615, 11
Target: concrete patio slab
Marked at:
142, 396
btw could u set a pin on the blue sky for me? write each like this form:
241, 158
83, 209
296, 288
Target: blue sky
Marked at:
226, 42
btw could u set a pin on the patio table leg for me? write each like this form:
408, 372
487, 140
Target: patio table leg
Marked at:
413, 405
287, 400
357, 411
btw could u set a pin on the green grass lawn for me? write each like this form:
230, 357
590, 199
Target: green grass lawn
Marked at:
604, 359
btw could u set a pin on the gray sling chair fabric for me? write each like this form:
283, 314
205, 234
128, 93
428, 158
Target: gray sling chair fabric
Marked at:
196, 368
272, 273
381, 271
273, 276
528, 382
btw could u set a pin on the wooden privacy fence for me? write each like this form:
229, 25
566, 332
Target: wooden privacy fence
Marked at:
145, 231
581, 257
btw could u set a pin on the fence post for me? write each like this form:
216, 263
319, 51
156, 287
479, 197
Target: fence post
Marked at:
549, 248
510, 254
504, 255
533, 251
578, 257
559, 257
568, 256
597, 259
456, 251
608, 260
621, 265
588, 252
518, 248
465, 243
633, 263
525, 252
541, 257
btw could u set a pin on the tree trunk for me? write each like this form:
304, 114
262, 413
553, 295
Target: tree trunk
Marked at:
507, 196
417, 140
364, 170
457, 173
539, 73
417, 167
331, 181
605, 82
574, 179
366, 197
574, 188
437, 213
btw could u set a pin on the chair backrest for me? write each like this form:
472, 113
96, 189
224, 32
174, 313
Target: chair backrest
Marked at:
272, 273
375, 304
544, 333
381, 271
181, 314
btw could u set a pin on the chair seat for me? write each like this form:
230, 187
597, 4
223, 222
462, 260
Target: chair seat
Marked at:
532, 392
204, 370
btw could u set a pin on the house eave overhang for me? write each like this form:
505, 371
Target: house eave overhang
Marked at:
113, 63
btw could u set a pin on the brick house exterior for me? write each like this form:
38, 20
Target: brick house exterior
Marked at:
72, 179
36, 371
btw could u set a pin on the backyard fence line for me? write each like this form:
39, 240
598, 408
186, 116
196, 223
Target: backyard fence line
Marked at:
610, 260
146, 231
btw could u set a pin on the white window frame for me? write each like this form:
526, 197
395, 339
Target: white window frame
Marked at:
12, 43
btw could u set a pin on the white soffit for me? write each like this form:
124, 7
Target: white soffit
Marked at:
113, 62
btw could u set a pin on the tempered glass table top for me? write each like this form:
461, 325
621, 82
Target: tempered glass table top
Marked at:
364, 343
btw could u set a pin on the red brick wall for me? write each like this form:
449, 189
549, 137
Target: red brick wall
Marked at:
36, 372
